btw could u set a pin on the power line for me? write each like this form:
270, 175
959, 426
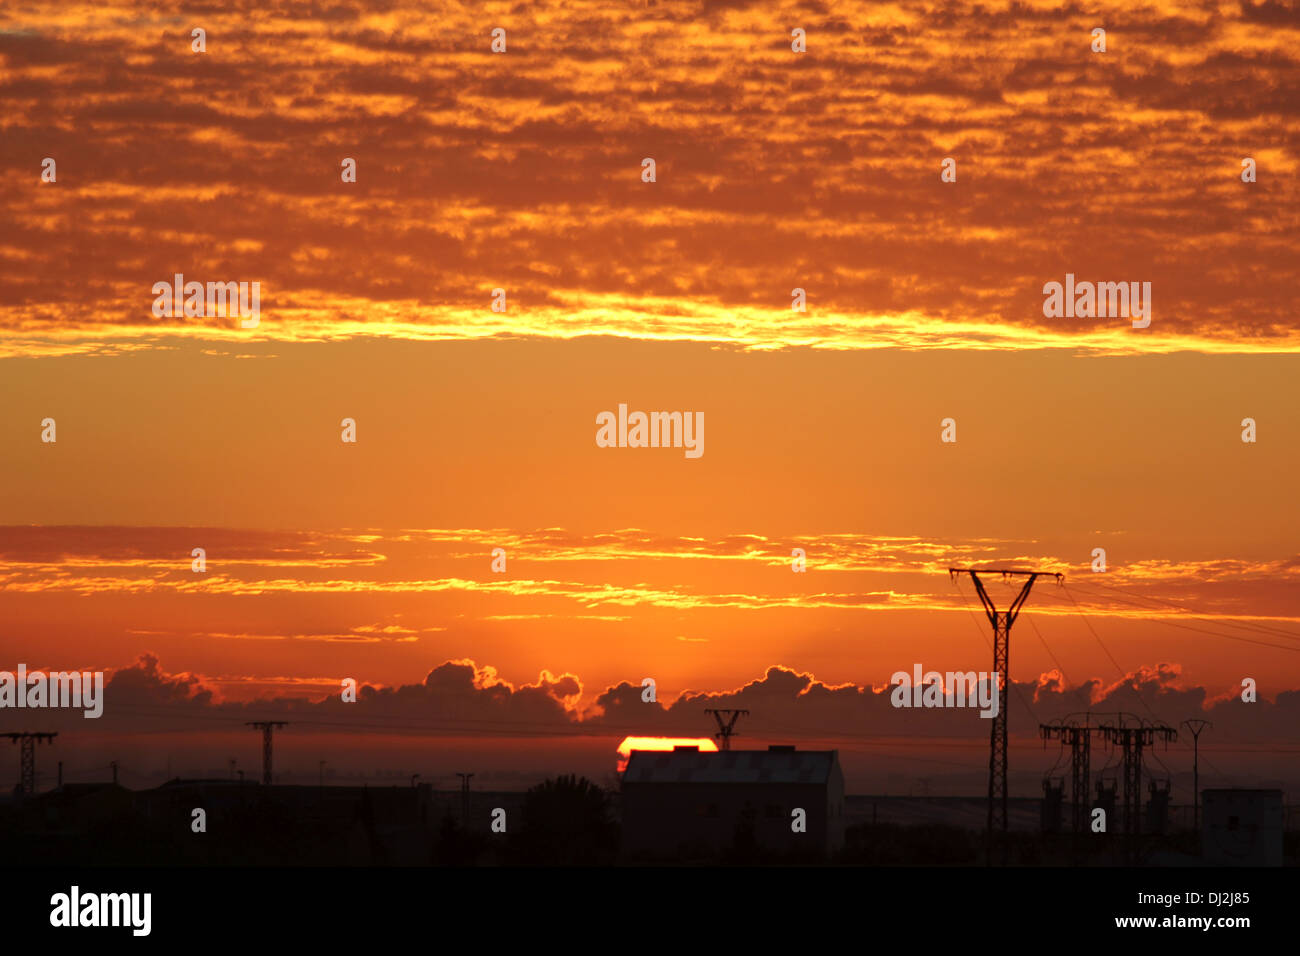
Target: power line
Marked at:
1201, 630
1136, 689
1048, 649
1229, 622
1226, 776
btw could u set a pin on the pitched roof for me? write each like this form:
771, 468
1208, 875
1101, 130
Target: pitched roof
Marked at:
689, 765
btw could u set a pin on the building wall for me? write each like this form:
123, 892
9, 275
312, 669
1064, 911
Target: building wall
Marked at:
681, 820
835, 809
1241, 827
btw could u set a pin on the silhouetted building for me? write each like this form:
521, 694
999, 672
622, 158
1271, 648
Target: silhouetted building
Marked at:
1157, 821
75, 807
384, 825
220, 799
690, 804
1105, 801
393, 805
1053, 802
1241, 827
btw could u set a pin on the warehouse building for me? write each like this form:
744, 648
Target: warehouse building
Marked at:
1241, 827
775, 803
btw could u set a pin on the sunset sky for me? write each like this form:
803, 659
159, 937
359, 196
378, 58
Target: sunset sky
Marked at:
476, 429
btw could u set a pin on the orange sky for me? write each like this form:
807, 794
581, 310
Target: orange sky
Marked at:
476, 429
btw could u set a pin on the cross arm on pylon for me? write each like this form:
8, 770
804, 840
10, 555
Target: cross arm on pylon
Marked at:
1014, 610
726, 718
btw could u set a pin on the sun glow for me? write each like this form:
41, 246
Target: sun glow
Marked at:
659, 743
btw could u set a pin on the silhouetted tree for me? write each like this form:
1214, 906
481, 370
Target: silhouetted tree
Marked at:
744, 844
456, 846
566, 821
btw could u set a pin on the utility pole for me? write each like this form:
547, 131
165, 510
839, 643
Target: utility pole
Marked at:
113, 764
1001, 621
266, 726
1196, 725
464, 798
726, 725
232, 768
27, 758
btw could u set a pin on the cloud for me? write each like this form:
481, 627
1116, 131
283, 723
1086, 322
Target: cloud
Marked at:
776, 169
146, 684
595, 577
465, 697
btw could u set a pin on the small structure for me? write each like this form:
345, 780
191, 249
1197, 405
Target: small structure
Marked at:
1157, 821
1053, 802
691, 804
1241, 827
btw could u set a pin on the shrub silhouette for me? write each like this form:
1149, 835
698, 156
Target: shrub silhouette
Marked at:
566, 821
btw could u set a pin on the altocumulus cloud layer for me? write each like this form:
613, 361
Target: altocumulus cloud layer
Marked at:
775, 170
603, 576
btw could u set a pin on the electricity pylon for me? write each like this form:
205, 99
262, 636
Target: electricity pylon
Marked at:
1078, 737
1001, 621
464, 798
1133, 738
266, 726
726, 724
27, 758
1196, 725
